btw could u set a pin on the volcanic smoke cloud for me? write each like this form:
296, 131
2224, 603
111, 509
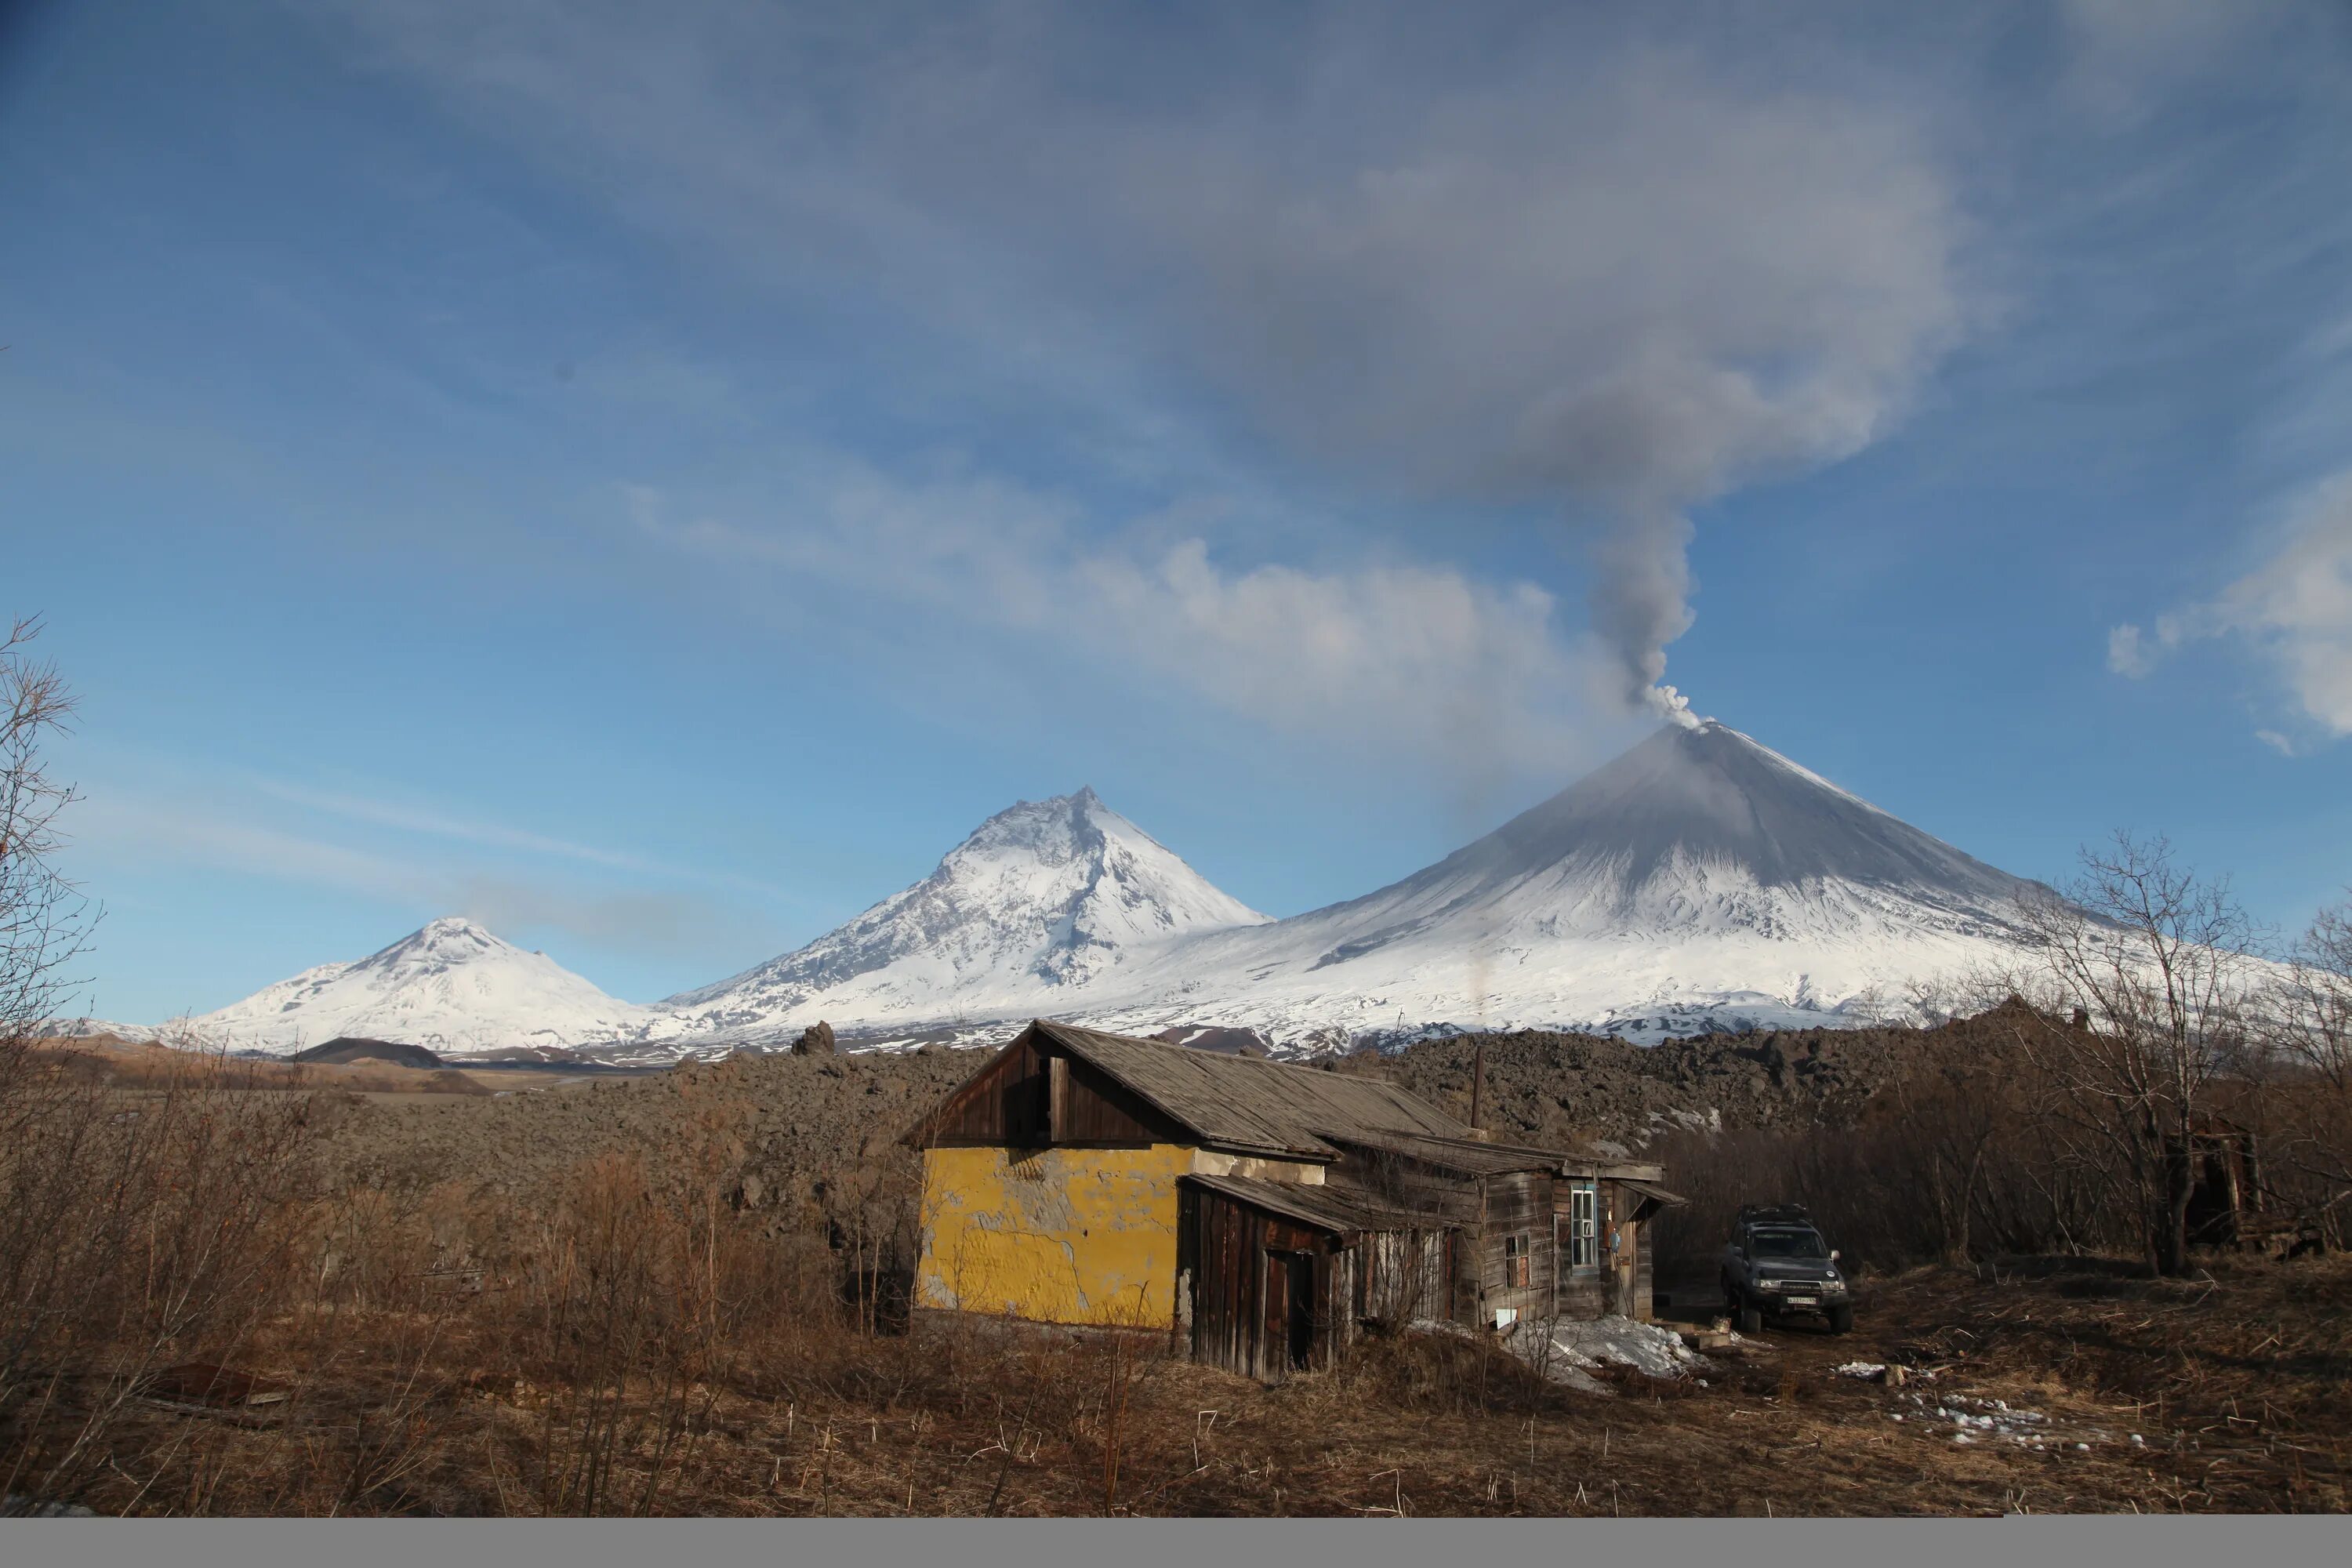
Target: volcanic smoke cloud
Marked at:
1613, 282
1586, 261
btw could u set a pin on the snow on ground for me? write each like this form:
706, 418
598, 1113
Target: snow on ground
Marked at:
1618, 1341
1568, 1350
1976, 1420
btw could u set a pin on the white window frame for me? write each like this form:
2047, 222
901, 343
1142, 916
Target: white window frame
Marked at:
1583, 1226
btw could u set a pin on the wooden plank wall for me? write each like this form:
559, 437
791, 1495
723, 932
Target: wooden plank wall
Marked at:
1518, 1203
1005, 1106
1095, 1108
1234, 1256
1021, 1095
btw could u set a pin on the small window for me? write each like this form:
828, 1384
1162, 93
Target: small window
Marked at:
1583, 1226
1518, 1270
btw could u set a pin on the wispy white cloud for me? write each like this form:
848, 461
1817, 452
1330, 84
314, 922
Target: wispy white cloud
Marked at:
1371, 657
2128, 653
2295, 607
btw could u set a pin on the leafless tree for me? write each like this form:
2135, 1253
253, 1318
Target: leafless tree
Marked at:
2306, 1026
137, 1224
42, 921
2146, 967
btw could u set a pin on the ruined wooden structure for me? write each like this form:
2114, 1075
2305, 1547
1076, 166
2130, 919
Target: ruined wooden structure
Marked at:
1263, 1211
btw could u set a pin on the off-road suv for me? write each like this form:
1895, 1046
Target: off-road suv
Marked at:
1777, 1265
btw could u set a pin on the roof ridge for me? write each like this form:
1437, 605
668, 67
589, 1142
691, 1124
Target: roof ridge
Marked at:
1236, 1102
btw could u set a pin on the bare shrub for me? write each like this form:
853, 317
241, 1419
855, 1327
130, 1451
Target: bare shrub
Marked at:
2154, 961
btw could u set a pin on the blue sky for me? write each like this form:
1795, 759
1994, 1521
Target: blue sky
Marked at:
653, 479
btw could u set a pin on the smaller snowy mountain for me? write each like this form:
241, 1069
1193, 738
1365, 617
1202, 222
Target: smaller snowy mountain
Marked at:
1045, 900
452, 987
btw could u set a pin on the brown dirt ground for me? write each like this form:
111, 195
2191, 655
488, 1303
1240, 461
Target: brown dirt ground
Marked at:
2235, 1384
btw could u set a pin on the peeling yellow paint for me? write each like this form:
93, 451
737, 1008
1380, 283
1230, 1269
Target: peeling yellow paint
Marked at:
1063, 1235
1210, 1163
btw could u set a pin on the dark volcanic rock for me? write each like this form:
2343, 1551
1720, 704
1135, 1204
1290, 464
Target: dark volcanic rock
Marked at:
356, 1049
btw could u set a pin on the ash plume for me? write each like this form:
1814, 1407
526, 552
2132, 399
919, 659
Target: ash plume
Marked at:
1589, 262
1641, 602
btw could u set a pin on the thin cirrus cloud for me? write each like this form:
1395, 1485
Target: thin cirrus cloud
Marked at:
681, 911
438, 825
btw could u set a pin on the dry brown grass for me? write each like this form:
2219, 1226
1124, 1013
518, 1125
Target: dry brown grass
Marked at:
626, 1332
483, 1404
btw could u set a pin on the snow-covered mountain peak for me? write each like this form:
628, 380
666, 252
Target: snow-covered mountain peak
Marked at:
450, 940
1709, 803
450, 984
1066, 825
1043, 896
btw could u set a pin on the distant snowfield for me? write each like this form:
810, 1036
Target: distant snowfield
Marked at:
1701, 880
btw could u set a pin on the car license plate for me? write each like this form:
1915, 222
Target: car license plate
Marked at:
1805, 1300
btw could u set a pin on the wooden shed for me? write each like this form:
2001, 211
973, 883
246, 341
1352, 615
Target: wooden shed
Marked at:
1262, 1212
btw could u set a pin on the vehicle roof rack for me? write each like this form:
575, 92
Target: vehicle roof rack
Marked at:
1774, 1214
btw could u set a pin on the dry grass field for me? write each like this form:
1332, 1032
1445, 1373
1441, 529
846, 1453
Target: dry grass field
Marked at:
674, 1294
2102, 1395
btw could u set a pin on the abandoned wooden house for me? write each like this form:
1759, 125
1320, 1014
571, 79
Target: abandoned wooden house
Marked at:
1263, 1212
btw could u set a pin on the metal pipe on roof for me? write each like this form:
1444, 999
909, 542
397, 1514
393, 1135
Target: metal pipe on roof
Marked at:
1479, 1088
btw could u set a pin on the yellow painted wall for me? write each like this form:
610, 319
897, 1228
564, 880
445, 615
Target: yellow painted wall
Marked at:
1065, 1236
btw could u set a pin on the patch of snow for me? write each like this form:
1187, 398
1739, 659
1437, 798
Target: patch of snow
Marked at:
1615, 1340
1972, 1417
1870, 1370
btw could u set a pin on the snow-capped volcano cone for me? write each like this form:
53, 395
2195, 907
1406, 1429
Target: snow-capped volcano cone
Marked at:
1695, 830
450, 986
1044, 896
1699, 880
1688, 813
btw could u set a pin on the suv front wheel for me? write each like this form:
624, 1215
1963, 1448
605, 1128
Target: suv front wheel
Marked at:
1842, 1317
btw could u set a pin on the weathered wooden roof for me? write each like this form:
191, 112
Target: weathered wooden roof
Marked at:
1463, 1156
1253, 1106
1325, 1207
